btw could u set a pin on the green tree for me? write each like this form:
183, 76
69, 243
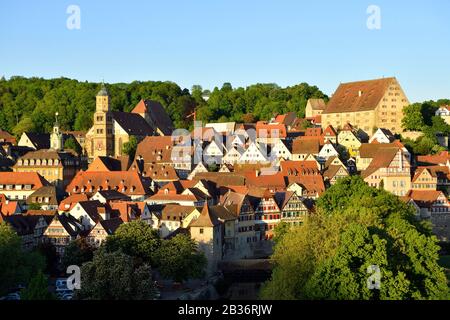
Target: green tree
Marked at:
37, 289
412, 117
17, 265
180, 259
77, 252
136, 239
25, 125
280, 230
355, 227
129, 148
115, 276
72, 144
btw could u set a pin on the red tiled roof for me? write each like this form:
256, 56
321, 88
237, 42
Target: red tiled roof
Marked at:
313, 132
424, 198
23, 178
68, 203
270, 130
127, 182
157, 113
329, 131
358, 96
440, 158
306, 145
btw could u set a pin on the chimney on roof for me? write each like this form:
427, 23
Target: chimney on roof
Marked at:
257, 173
360, 93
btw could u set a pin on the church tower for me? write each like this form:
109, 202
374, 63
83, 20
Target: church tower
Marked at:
102, 139
56, 138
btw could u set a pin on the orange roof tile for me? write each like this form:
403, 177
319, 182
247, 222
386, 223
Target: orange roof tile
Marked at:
358, 96
23, 178
127, 182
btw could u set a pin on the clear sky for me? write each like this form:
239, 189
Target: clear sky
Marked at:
208, 42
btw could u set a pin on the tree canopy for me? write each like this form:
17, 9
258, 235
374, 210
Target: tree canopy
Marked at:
421, 117
115, 276
77, 252
129, 148
136, 239
17, 265
37, 289
357, 227
179, 259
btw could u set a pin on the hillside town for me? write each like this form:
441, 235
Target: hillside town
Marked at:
227, 185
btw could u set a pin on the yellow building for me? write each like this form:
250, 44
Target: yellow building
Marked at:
56, 167
348, 139
314, 107
367, 105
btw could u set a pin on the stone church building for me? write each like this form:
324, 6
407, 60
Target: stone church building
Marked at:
111, 129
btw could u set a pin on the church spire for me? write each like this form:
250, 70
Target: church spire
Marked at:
56, 138
103, 92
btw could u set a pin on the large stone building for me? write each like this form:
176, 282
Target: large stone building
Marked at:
112, 129
367, 105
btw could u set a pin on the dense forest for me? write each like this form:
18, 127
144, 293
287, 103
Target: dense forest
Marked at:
29, 104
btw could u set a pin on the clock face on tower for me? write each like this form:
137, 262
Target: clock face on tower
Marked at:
99, 145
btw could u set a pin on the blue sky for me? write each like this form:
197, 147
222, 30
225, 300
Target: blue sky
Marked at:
208, 42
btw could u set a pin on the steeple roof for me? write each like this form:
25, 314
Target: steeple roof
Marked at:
103, 92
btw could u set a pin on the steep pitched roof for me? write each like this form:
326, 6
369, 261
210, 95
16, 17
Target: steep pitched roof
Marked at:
176, 212
380, 160
282, 198
155, 149
155, 171
7, 137
436, 159
332, 170
106, 164
39, 140
157, 113
370, 150
313, 132
132, 123
329, 131
92, 207
222, 178
312, 183
287, 119
205, 219
23, 178
69, 202
317, 104
127, 182
45, 191
111, 225
424, 198
270, 130
305, 146
358, 96
270, 181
